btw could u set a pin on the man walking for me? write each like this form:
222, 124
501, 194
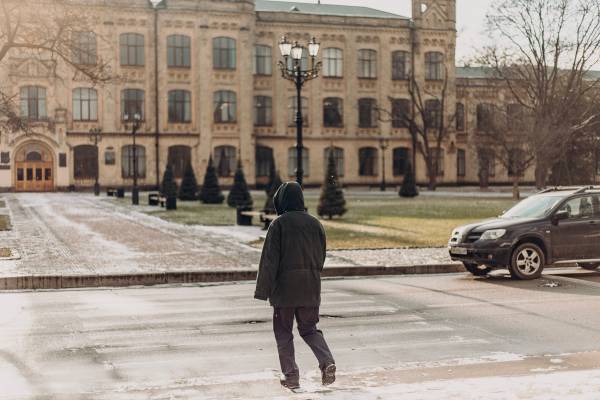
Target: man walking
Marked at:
289, 275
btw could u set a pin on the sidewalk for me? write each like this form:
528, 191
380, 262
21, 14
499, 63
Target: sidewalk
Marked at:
78, 240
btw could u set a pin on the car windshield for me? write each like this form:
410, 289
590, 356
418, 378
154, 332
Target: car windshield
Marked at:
533, 207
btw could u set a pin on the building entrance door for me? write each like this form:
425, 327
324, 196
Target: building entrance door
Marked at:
34, 170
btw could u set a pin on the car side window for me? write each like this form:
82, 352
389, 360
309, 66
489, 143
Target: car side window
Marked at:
579, 207
596, 205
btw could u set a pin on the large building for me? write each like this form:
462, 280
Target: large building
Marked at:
204, 76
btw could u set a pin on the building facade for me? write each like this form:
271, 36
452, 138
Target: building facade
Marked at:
204, 77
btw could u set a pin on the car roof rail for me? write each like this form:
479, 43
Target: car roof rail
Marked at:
561, 188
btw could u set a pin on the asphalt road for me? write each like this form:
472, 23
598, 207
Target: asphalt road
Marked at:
416, 336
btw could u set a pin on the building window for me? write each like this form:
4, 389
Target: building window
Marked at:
367, 113
127, 161
33, 102
264, 160
223, 53
400, 113
485, 117
263, 65
109, 156
178, 51
225, 160
400, 65
338, 157
132, 49
85, 104
367, 63
401, 158
263, 111
437, 161
178, 158
460, 117
333, 113
333, 63
292, 163
293, 109
461, 163
224, 106
85, 161
367, 161
180, 106
84, 48
132, 102
433, 114
434, 66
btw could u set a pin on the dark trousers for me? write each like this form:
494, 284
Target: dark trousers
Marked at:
307, 319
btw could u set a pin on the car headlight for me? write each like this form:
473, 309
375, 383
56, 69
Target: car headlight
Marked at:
493, 234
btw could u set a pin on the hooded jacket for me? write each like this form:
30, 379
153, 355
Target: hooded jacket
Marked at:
289, 273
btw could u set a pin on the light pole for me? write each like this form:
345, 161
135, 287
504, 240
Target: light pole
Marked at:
293, 72
135, 125
95, 138
383, 145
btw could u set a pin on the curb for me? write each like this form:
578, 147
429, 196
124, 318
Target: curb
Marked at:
33, 282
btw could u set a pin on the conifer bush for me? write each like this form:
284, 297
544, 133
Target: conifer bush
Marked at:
211, 191
188, 191
409, 186
331, 201
239, 196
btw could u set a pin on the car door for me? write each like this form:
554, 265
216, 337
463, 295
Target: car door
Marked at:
572, 238
593, 251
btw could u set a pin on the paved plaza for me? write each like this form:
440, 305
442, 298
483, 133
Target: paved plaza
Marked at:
79, 234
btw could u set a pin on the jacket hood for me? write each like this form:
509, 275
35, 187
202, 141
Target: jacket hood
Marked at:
289, 197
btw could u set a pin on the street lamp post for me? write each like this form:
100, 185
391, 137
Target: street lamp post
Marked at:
293, 72
135, 125
95, 138
383, 145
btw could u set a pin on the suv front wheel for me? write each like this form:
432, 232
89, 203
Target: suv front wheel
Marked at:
527, 262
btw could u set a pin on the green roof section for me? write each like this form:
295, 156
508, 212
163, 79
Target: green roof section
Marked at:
323, 9
490, 73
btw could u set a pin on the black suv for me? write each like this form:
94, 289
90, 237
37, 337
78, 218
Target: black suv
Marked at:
555, 226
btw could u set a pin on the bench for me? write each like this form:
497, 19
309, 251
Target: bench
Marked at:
153, 199
162, 200
265, 218
111, 192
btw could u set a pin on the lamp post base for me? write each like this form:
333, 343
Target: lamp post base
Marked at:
96, 189
135, 196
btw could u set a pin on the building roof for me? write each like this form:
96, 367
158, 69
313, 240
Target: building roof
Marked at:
322, 9
489, 73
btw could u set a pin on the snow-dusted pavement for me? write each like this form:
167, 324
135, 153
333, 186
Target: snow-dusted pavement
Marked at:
79, 234
414, 337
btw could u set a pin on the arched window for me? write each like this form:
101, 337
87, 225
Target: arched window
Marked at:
367, 161
263, 64
85, 161
34, 156
179, 157
338, 157
264, 160
401, 158
433, 114
367, 113
33, 102
292, 161
132, 102
333, 62
293, 109
129, 159
223, 53
434, 66
225, 160
485, 117
179, 51
400, 113
367, 63
85, 104
132, 49
84, 48
263, 111
180, 106
400, 65
333, 112
224, 106
460, 117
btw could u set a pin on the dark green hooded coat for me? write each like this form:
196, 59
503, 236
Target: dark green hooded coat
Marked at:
289, 273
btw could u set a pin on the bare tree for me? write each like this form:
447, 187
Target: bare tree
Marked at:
544, 52
428, 122
51, 33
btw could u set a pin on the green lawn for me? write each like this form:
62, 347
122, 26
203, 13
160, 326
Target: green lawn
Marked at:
5, 252
372, 221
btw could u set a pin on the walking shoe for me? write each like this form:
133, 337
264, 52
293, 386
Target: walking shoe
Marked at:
290, 383
328, 375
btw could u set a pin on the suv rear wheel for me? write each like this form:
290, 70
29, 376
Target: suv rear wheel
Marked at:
476, 269
527, 262
590, 266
